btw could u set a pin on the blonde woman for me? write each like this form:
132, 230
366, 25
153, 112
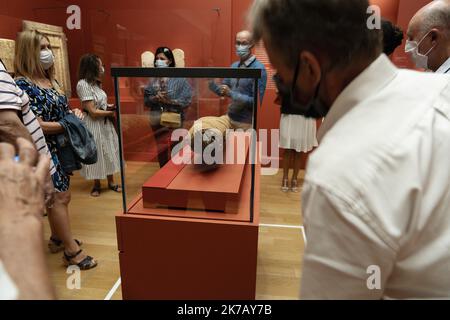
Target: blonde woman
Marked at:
34, 68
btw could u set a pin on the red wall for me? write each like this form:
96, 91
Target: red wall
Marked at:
13, 12
119, 31
122, 30
206, 36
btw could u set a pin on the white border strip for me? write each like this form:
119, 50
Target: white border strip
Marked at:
280, 226
304, 235
113, 289
286, 227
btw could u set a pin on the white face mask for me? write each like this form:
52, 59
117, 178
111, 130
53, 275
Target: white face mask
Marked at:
47, 59
242, 51
412, 48
161, 64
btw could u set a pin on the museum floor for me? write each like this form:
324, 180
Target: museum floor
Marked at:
281, 240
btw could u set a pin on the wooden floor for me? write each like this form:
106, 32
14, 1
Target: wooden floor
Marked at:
280, 248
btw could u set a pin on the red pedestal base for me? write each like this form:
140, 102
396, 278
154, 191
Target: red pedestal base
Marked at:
190, 255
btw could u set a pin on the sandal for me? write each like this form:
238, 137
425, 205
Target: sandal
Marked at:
56, 246
115, 188
86, 264
285, 186
294, 186
96, 192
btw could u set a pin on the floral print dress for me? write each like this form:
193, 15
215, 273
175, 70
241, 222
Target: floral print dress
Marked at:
50, 106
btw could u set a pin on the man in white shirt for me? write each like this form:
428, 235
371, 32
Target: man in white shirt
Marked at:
429, 37
376, 198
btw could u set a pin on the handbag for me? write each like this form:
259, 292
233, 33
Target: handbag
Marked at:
170, 120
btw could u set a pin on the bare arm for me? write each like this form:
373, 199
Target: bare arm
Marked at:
53, 128
10, 122
89, 106
50, 128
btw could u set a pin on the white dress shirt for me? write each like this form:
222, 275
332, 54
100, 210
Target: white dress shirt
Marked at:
445, 68
377, 190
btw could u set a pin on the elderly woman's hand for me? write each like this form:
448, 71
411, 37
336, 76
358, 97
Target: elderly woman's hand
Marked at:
21, 225
23, 183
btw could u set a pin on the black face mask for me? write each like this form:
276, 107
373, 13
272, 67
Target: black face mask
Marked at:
313, 109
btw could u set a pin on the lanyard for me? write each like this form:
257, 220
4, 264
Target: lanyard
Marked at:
243, 66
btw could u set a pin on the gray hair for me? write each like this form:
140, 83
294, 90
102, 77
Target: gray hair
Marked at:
332, 29
437, 16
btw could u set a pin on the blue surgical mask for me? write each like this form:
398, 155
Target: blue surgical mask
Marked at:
161, 64
242, 51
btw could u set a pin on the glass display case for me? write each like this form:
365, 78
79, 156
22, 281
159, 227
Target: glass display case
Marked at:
190, 220
188, 141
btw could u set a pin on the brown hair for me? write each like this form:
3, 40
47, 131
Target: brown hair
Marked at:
89, 68
27, 60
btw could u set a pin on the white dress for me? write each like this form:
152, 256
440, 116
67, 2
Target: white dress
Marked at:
104, 133
298, 133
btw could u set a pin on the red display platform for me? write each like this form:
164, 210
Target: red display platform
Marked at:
182, 186
190, 255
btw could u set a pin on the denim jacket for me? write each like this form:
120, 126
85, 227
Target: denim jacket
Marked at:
76, 145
